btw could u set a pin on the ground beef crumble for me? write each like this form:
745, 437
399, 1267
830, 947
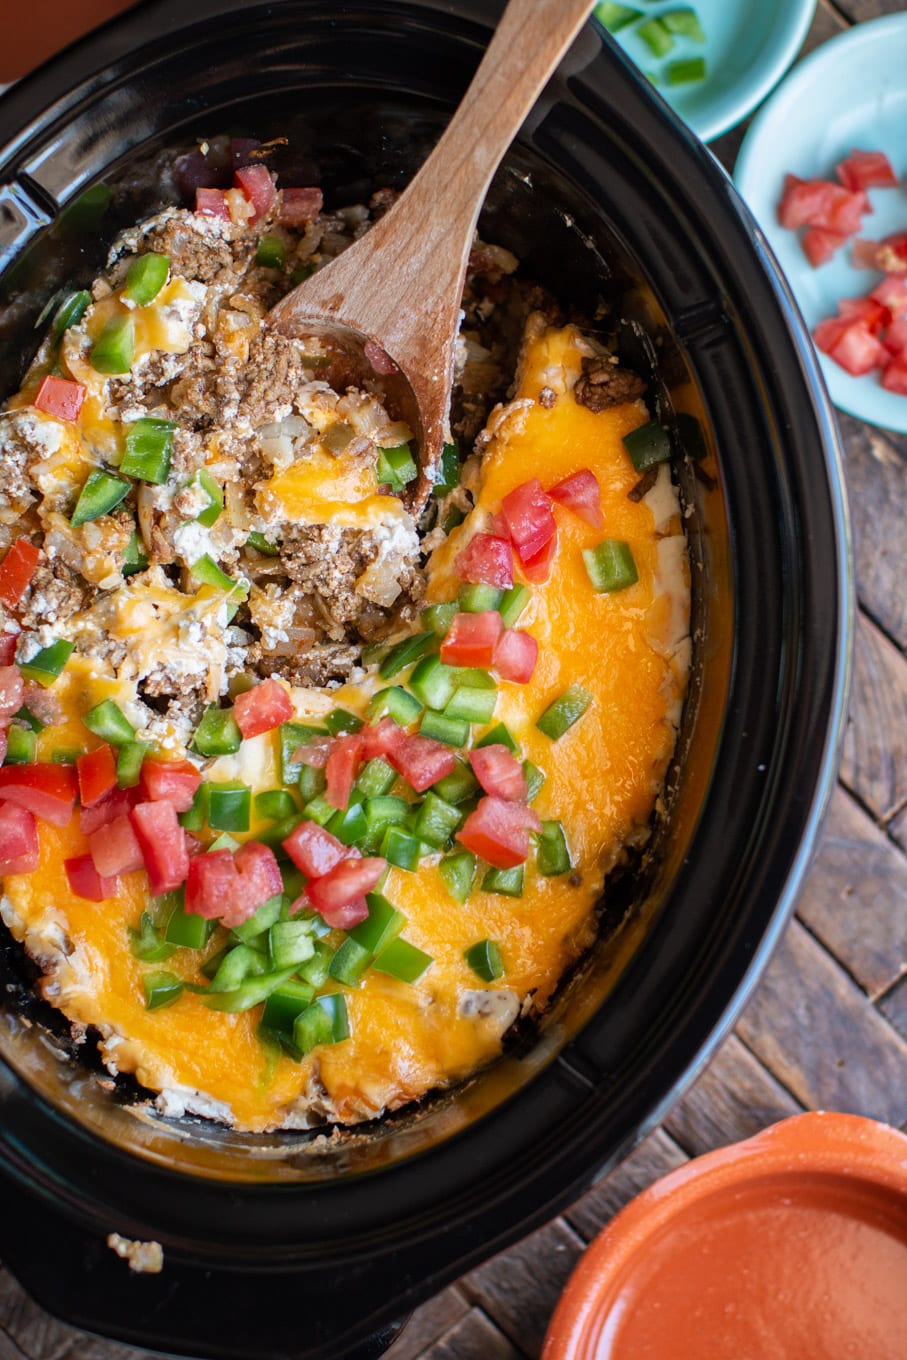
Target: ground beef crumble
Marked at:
604, 383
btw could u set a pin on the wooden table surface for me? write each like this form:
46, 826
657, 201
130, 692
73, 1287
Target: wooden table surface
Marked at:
826, 1029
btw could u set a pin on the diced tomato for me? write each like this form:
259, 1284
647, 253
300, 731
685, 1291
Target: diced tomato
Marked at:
863, 254
896, 336
858, 351
537, 569
498, 832
515, 656
19, 849
888, 255
49, 791
472, 638
874, 315
176, 781
115, 848
894, 379
819, 245
97, 774
314, 850
828, 332
892, 293
230, 886
12, 691
866, 170
342, 767
212, 203
422, 761
299, 206
486, 559
530, 520
163, 843
212, 884
8, 644
499, 773
790, 183
85, 881
499, 527
581, 493
118, 803
382, 739
819, 203
258, 186
60, 397
343, 887
259, 709
259, 874
16, 570
379, 359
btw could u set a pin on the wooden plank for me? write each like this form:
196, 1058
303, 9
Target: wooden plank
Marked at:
894, 1006
876, 464
874, 764
656, 1156
35, 1332
9, 1350
475, 1337
820, 1035
860, 10
855, 896
734, 1098
897, 828
428, 1324
518, 1290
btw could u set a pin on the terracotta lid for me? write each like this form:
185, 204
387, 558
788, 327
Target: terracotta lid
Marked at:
790, 1246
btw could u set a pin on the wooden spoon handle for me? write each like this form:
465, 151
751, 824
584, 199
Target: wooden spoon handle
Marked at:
423, 243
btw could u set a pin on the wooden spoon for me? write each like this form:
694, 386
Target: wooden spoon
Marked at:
396, 292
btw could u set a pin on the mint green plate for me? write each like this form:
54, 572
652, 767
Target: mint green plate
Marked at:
749, 44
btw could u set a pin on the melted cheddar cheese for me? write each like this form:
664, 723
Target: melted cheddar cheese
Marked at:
602, 781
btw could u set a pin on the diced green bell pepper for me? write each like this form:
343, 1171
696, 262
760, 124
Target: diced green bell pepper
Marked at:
552, 854
271, 252
396, 467
499, 735
513, 602
261, 920
403, 961
563, 712
290, 943
324, 1022
383, 924
648, 446
376, 778
217, 734
437, 618
440, 727
108, 721
401, 849
101, 493
47, 665
291, 736
145, 278
403, 707
478, 598
114, 349
458, 786
21, 746
432, 682
284, 1004
610, 566
407, 653
507, 882
449, 470
485, 960
229, 806
149, 445
146, 942
436, 821
339, 721
458, 871
275, 804
161, 989
130, 758
349, 963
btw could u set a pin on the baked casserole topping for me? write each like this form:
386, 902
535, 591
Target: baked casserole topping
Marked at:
305, 802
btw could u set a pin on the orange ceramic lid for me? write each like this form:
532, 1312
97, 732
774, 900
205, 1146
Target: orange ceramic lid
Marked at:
790, 1246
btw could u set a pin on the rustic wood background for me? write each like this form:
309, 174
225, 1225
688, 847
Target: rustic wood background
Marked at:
826, 1029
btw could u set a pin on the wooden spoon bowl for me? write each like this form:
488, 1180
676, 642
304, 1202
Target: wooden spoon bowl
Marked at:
391, 301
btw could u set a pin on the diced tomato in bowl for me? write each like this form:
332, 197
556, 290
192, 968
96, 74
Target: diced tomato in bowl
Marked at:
819, 245
97, 774
340, 894
529, 518
858, 350
499, 772
866, 170
472, 638
894, 379
314, 850
341, 768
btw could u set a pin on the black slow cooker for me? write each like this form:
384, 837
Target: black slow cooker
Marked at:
310, 1244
